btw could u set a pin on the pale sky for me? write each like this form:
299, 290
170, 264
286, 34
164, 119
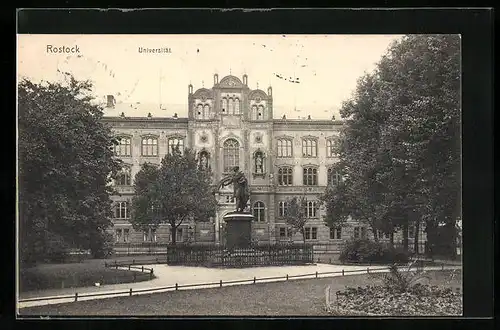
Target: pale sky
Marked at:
327, 66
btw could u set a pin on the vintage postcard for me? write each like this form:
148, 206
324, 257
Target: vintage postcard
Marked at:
239, 175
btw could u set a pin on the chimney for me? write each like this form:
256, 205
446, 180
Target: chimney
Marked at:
110, 101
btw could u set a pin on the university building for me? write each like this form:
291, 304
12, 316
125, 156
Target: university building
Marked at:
231, 125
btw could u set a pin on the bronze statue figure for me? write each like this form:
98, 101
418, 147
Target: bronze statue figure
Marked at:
240, 183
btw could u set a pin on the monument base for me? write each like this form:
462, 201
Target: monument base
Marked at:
238, 230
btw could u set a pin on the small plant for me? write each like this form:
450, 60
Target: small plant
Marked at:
402, 281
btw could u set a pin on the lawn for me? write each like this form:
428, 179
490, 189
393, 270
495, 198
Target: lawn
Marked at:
298, 297
73, 275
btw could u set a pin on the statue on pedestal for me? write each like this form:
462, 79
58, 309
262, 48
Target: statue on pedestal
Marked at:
240, 183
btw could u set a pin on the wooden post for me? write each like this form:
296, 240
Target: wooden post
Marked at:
142, 269
131, 291
221, 283
176, 286
316, 274
76, 296
342, 272
367, 270
287, 277
151, 274
254, 280
128, 267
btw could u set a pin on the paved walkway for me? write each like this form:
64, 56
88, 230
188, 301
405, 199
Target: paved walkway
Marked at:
170, 275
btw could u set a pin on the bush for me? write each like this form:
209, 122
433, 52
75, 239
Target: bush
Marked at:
364, 250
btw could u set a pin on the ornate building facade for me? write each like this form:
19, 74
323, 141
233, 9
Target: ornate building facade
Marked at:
231, 125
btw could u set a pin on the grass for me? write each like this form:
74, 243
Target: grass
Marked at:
74, 275
298, 297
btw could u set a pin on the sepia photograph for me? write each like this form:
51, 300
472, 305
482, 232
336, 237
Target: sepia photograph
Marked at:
239, 175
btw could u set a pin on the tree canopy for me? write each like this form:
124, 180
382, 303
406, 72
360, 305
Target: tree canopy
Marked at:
65, 168
400, 145
176, 191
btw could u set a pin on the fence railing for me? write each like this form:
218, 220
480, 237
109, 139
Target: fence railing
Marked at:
143, 269
219, 256
221, 283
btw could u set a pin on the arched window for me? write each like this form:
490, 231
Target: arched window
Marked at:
231, 157
224, 105
258, 211
284, 148
310, 177
230, 107
174, 143
199, 111
260, 114
259, 162
237, 106
254, 112
310, 210
309, 148
206, 112
150, 146
122, 211
330, 149
204, 160
285, 176
282, 208
334, 177
123, 178
124, 146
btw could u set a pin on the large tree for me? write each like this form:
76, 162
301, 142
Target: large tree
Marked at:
177, 191
65, 167
400, 146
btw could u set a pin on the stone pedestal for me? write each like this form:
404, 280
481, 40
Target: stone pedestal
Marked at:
238, 230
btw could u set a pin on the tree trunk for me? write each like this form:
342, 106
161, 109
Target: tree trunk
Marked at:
375, 234
405, 236
415, 237
174, 234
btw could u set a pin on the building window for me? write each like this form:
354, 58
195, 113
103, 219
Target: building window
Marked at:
150, 146
359, 232
330, 148
285, 176
237, 106
282, 208
224, 105
285, 233
284, 148
230, 106
310, 177
150, 235
122, 211
178, 236
335, 233
260, 113
309, 148
204, 160
411, 231
333, 177
254, 113
231, 156
259, 162
383, 235
124, 147
174, 143
118, 235
258, 211
126, 232
311, 233
123, 178
311, 209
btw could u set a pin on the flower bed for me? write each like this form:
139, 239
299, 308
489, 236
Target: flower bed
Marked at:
420, 300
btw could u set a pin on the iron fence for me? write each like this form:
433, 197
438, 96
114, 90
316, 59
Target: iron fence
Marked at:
220, 256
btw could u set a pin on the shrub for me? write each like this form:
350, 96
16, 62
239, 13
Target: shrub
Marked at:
364, 250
